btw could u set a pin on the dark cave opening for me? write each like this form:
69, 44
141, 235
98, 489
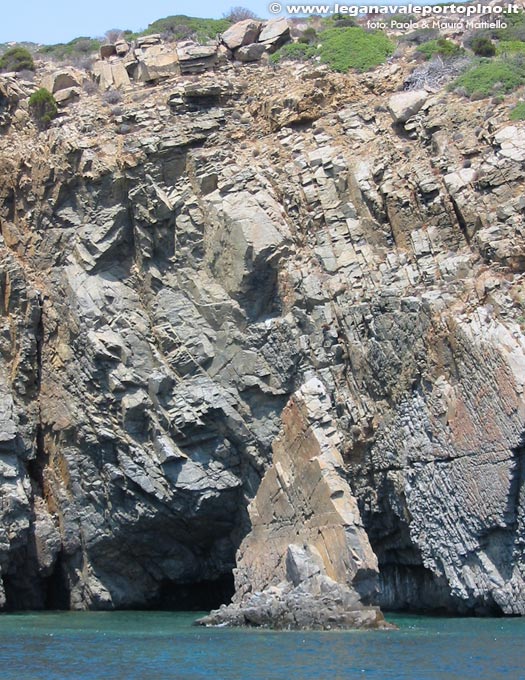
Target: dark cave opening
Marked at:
13, 599
413, 588
198, 596
404, 583
56, 588
260, 293
25, 589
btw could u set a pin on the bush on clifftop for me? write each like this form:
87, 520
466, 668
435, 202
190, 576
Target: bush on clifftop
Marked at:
492, 77
180, 27
75, 50
483, 46
341, 48
17, 59
236, 14
295, 52
354, 48
518, 112
440, 47
511, 47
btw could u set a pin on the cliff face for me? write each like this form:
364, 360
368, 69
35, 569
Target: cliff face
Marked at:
177, 275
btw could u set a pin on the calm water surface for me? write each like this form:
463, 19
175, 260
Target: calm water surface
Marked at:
162, 645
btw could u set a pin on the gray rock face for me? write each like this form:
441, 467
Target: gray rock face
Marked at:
168, 293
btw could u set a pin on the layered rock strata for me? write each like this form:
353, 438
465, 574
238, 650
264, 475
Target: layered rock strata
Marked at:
307, 561
175, 273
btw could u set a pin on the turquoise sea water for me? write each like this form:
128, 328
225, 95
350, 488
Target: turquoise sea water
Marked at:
164, 645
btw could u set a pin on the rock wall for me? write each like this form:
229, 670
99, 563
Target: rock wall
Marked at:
175, 273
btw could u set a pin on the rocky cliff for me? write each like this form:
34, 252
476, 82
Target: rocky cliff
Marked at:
278, 274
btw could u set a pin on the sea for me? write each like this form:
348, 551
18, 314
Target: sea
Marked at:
163, 645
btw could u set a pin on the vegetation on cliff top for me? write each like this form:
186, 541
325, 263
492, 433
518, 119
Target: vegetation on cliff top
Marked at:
76, 49
181, 27
17, 59
518, 112
342, 49
496, 76
511, 47
295, 52
346, 48
483, 46
336, 41
440, 47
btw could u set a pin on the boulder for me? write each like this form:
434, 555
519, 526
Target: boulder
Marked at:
111, 74
199, 96
107, 51
242, 33
456, 181
147, 41
404, 105
511, 141
129, 61
60, 80
195, 58
250, 52
120, 75
157, 62
67, 96
275, 33
121, 48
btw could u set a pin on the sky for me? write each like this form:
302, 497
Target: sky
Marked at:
52, 21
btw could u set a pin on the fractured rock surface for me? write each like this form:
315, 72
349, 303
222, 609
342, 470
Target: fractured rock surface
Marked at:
175, 274
307, 561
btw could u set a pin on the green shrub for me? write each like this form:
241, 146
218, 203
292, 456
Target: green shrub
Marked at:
43, 107
440, 47
515, 28
487, 78
483, 46
346, 48
180, 27
420, 36
511, 47
309, 36
17, 59
294, 51
518, 112
341, 21
470, 38
77, 48
401, 18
